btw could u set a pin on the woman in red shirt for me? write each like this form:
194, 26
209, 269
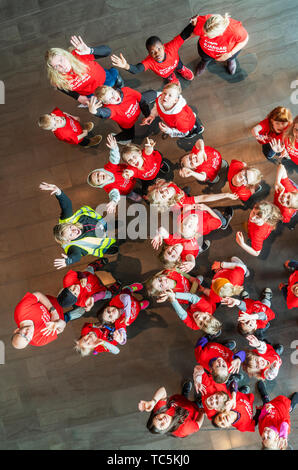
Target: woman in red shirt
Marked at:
270, 132
221, 38
244, 180
203, 163
286, 195
263, 219
76, 73
291, 141
175, 415
177, 118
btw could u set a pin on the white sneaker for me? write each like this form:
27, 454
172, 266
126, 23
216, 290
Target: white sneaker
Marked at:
235, 259
224, 164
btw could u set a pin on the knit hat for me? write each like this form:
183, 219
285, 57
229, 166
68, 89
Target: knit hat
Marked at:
66, 298
217, 284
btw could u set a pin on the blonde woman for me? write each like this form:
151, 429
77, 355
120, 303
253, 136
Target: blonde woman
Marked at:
77, 73
79, 233
270, 132
263, 219
291, 141
177, 118
221, 39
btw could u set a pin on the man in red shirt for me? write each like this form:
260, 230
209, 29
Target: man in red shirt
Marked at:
39, 320
221, 38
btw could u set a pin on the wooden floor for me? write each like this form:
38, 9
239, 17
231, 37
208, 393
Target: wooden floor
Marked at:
50, 398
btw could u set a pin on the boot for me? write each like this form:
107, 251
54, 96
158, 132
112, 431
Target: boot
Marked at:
88, 126
94, 141
200, 68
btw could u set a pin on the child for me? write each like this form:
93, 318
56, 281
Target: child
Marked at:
291, 141
218, 359
244, 180
98, 338
203, 163
274, 419
177, 118
175, 415
146, 165
170, 279
68, 128
270, 132
254, 315
111, 179
79, 233
263, 219
290, 290
163, 59
228, 278
264, 361
286, 195
240, 416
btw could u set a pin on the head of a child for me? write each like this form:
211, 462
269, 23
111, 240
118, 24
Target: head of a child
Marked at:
247, 327
50, 122
292, 132
107, 95
270, 439
224, 419
158, 284
132, 155
67, 232
247, 177
162, 196
170, 95
110, 314
289, 200
206, 322
294, 289
155, 48
171, 254
98, 177
265, 212
279, 119
217, 401
219, 370
254, 364
86, 344
192, 160
59, 63
189, 226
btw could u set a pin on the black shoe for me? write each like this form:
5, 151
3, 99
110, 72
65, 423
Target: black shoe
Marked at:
278, 348
112, 250
228, 214
230, 344
165, 167
99, 263
294, 401
205, 246
186, 189
244, 389
244, 295
236, 377
266, 294
186, 388
212, 337
200, 68
259, 189
262, 391
198, 399
115, 288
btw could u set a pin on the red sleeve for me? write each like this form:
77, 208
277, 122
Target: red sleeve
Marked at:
84, 57
159, 404
23, 307
137, 94
57, 112
201, 20
265, 126
175, 43
288, 185
187, 428
258, 234
239, 31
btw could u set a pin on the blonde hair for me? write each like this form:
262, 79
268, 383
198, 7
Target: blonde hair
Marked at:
45, 122
60, 228
217, 24
268, 212
280, 114
148, 284
173, 86
228, 290
168, 264
101, 92
128, 148
294, 201
247, 365
244, 330
162, 206
83, 350
289, 132
212, 326
257, 177
58, 79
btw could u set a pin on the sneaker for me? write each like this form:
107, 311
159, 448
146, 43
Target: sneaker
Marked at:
205, 246
228, 214
134, 287
216, 335
216, 180
224, 164
193, 134
244, 389
186, 388
144, 304
232, 66
173, 79
200, 278
134, 197
294, 401
82, 105
186, 189
279, 349
200, 68
230, 344
286, 265
88, 126
262, 391
259, 188
186, 73
94, 141
267, 294
235, 259
99, 264
115, 288
236, 377
165, 167
244, 295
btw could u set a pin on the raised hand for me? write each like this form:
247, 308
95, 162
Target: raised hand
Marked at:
146, 405
60, 263
164, 128
79, 45
185, 172
111, 207
111, 142
49, 187
235, 366
120, 62
127, 174
277, 145
94, 104
147, 121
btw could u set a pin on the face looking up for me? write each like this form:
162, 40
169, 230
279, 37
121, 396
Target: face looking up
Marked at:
169, 98
162, 421
60, 63
157, 52
71, 232
111, 314
192, 160
134, 158
278, 126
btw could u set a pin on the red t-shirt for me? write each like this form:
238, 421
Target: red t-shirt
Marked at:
226, 42
124, 186
184, 199
211, 388
212, 351
93, 78
243, 192
101, 333
271, 356
70, 132
286, 212
244, 406
257, 234
182, 283
235, 276
93, 285
255, 306
203, 305
150, 168
135, 309
278, 412
212, 165
292, 151
184, 120
206, 222
266, 131
166, 68
30, 309
127, 112
190, 425
190, 246
292, 300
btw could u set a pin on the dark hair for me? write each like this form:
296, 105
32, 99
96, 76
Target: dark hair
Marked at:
152, 41
179, 417
213, 421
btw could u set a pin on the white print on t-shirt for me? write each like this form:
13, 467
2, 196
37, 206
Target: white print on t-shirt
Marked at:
168, 69
76, 82
151, 171
215, 161
270, 409
247, 406
132, 110
220, 350
45, 317
213, 46
73, 125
